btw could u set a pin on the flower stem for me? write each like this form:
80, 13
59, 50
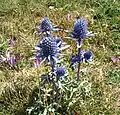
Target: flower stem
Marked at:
53, 69
79, 55
53, 81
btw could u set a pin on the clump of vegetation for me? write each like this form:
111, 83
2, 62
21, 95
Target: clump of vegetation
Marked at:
61, 93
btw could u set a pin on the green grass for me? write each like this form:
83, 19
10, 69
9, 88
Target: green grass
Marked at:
18, 18
114, 78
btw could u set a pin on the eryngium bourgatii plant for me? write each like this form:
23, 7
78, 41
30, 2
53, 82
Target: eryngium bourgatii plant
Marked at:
79, 33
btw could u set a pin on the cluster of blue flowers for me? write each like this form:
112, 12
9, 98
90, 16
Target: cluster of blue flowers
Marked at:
79, 33
85, 56
60, 87
49, 47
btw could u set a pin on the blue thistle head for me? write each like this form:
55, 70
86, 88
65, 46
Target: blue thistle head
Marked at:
46, 26
75, 58
87, 56
50, 47
60, 71
84, 56
80, 30
47, 48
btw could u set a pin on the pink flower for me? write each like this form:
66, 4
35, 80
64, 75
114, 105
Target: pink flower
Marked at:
9, 59
37, 63
69, 17
115, 59
12, 42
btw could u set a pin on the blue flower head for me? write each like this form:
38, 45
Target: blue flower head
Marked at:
87, 56
46, 26
48, 48
80, 30
75, 59
60, 71
84, 56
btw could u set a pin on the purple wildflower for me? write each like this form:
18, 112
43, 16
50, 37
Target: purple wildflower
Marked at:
12, 60
12, 42
115, 60
9, 59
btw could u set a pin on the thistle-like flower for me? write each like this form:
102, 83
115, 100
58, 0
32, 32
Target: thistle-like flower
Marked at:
80, 30
84, 56
46, 26
48, 49
60, 71
87, 56
75, 58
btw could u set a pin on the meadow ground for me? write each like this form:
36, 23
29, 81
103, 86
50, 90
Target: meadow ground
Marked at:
19, 18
